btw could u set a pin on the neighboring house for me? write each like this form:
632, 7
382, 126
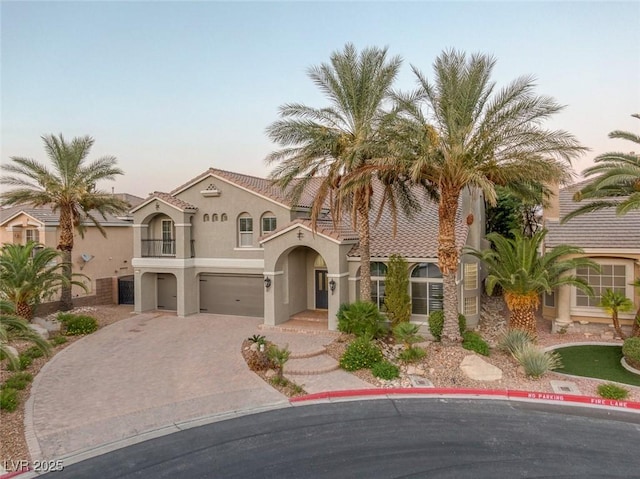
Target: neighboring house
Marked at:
234, 244
95, 256
611, 241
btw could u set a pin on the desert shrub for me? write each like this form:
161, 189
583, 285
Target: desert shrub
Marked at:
412, 355
34, 352
513, 339
360, 354
385, 370
259, 361
278, 356
76, 324
407, 334
8, 399
258, 339
436, 324
537, 362
18, 381
58, 340
24, 362
361, 318
631, 351
612, 391
397, 300
474, 342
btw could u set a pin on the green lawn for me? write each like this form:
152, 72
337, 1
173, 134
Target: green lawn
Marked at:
602, 362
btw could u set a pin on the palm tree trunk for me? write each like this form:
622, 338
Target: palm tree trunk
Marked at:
448, 263
635, 329
65, 245
616, 324
365, 253
24, 311
523, 312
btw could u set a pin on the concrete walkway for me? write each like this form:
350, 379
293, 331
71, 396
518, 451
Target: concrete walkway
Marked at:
141, 374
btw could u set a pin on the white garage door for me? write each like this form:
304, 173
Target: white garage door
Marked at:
234, 294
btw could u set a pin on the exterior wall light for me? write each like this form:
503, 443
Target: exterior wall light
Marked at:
267, 282
332, 286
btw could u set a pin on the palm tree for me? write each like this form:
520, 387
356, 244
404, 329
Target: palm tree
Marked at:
69, 188
15, 328
332, 142
28, 274
616, 180
516, 266
615, 302
635, 328
475, 136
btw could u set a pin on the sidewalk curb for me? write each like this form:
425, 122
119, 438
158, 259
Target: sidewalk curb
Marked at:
504, 394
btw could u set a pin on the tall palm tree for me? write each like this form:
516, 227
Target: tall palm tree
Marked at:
615, 180
523, 274
70, 188
614, 303
635, 328
28, 274
14, 328
334, 141
461, 132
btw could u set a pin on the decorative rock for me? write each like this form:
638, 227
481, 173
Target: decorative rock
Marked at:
253, 347
478, 369
607, 335
414, 370
12, 350
50, 325
270, 373
40, 330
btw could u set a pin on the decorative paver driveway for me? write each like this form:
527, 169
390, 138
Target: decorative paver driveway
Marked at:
141, 374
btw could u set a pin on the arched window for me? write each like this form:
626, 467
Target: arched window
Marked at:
426, 289
214, 217
378, 273
245, 230
205, 217
223, 217
268, 223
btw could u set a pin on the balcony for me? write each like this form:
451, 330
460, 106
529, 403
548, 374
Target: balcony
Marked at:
152, 248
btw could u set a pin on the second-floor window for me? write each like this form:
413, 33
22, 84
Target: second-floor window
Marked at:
268, 223
167, 238
32, 235
245, 229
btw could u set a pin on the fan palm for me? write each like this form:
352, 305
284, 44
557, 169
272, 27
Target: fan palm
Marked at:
28, 274
472, 135
70, 188
516, 265
15, 328
332, 142
614, 303
616, 180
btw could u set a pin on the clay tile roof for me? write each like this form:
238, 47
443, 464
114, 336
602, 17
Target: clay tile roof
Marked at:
598, 229
172, 200
48, 217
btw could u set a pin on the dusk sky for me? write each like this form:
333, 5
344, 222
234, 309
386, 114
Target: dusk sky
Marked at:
173, 88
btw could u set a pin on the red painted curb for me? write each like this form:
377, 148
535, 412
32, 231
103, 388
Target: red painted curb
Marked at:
14, 473
527, 395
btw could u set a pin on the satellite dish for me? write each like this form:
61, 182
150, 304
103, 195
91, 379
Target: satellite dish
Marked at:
86, 257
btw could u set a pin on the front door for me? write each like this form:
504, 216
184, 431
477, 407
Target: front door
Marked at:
322, 289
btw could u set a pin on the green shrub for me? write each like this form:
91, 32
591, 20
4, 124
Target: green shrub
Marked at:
397, 300
18, 381
258, 339
631, 351
407, 334
474, 342
361, 318
8, 399
279, 357
612, 391
24, 362
58, 340
412, 355
79, 324
360, 354
513, 339
385, 370
34, 352
436, 324
537, 362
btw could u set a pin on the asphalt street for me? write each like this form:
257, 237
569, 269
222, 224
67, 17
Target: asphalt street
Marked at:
388, 438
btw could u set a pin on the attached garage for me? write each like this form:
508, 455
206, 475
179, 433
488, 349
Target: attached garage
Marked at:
232, 294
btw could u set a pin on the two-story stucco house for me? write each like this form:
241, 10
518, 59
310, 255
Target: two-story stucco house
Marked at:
611, 241
234, 244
